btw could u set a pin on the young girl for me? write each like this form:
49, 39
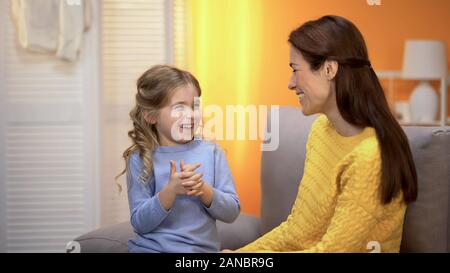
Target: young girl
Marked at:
177, 186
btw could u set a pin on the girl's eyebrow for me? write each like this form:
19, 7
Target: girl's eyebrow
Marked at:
180, 103
292, 65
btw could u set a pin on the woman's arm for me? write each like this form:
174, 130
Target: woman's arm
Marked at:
358, 208
280, 239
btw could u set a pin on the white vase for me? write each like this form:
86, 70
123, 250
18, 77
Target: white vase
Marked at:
424, 103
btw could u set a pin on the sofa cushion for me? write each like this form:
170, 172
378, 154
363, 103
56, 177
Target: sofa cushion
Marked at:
110, 239
244, 230
114, 238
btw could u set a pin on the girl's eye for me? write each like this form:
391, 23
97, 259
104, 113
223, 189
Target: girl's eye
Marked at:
294, 70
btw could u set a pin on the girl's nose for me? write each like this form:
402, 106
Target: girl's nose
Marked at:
188, 112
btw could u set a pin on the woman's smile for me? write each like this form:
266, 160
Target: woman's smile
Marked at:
301, 95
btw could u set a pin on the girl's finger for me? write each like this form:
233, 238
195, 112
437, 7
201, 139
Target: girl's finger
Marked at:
172, 167
191, 183
182, 165
190, 168
198, 186
195, 193
185, 175
195, 187
190, 193
199, 193
197, 176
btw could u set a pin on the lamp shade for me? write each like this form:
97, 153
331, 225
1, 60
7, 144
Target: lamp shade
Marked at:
424, 60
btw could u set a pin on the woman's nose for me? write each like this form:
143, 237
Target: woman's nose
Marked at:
292, 83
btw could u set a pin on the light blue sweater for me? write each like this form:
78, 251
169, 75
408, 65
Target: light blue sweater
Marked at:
188, 226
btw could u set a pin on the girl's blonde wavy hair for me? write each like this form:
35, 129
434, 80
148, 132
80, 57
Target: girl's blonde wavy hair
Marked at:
154, 90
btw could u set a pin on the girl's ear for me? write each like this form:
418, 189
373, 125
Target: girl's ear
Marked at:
150, 118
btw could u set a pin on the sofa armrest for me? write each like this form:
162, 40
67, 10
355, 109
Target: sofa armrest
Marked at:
245, 229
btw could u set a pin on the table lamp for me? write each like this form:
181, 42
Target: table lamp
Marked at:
424, 60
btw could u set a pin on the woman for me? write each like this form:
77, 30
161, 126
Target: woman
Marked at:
359, 172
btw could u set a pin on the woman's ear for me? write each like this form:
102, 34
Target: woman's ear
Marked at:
330, 69
150, 118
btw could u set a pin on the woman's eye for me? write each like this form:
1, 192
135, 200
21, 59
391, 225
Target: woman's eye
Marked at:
294, 70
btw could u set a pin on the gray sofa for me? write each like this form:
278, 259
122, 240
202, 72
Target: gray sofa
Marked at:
426, 227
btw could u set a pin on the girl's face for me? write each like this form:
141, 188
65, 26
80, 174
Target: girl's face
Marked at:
175, 121
314, 88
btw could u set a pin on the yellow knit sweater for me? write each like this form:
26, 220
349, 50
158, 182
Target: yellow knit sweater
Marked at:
338, 207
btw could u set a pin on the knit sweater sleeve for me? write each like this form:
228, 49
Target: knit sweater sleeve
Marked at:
358, 207
285, 237
356, 212
281, 239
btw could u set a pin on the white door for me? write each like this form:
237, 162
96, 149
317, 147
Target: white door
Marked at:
134, 36
63, 126
48, 135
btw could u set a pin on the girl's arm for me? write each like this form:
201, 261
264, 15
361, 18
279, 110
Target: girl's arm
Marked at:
221, 202
146, 208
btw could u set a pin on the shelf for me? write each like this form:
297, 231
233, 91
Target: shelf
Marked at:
434, 123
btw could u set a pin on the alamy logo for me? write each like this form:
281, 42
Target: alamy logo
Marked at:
237, 122
73, 247
374, 2
73, 2
374, 247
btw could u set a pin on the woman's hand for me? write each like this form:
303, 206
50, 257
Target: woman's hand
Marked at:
227, 251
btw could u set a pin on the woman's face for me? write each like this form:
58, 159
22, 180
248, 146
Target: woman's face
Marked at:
314, 88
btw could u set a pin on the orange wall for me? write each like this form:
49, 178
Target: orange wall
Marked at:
239, 52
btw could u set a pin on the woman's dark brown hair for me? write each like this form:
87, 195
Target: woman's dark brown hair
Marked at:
360, 97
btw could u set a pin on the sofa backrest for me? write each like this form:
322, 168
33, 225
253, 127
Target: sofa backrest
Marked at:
426, 227
282, 169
